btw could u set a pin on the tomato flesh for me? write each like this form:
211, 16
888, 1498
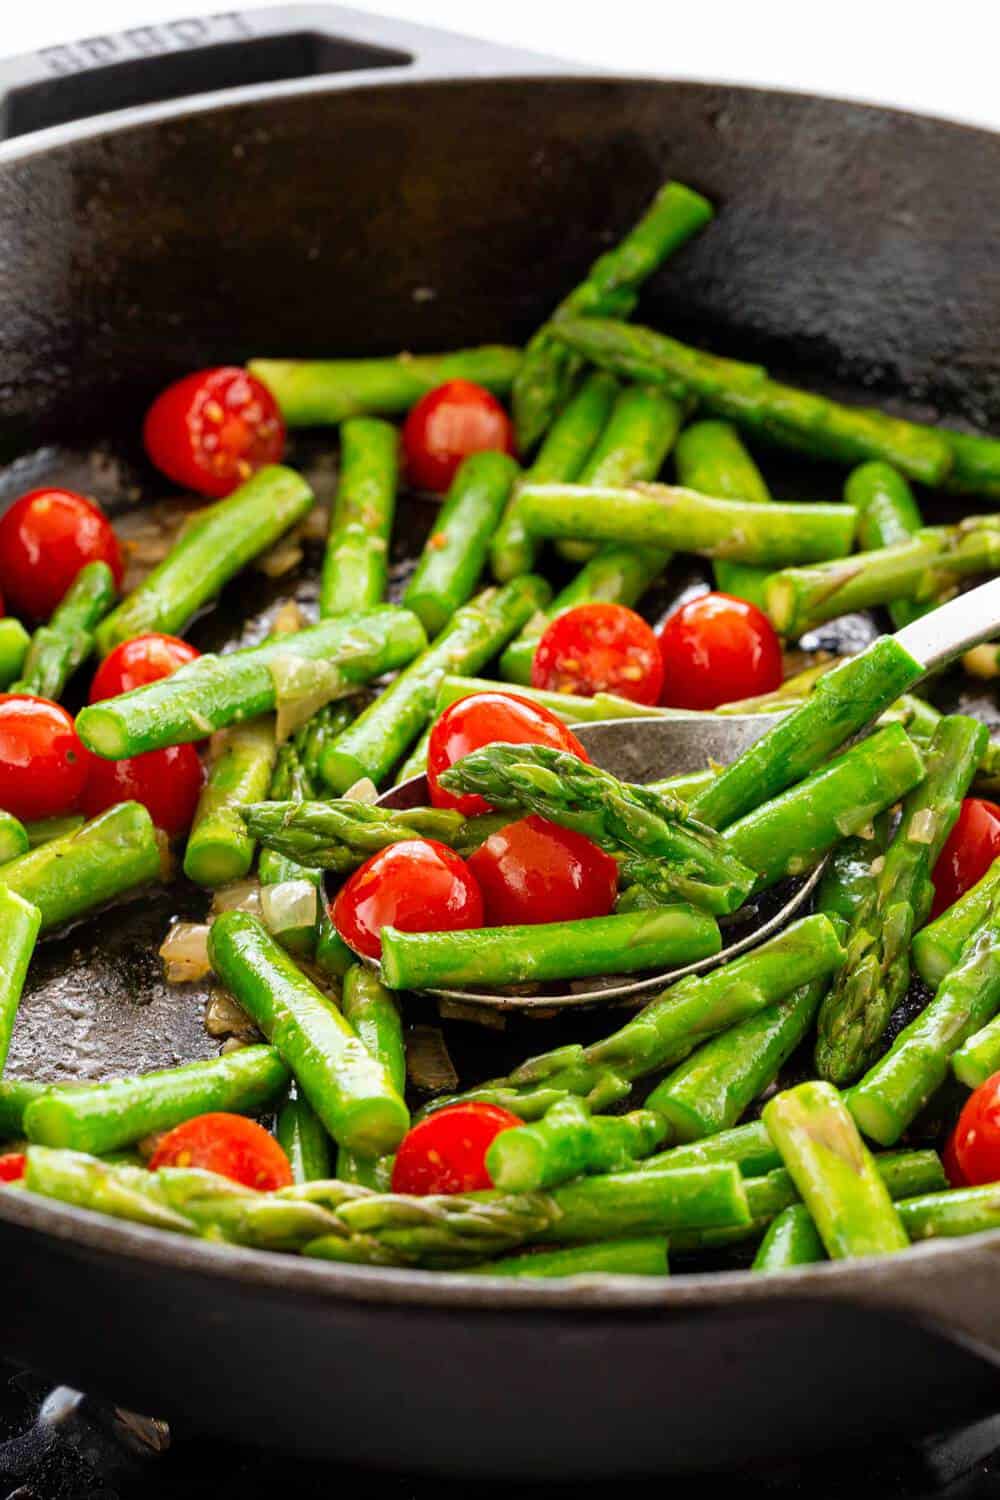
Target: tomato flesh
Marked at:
46, 537
446, 1152
210, 431
716, 649
973, 1151
135, 663
445, 426
13, 1165
969, 851
230, 1145
417, 885
167, 782
535, 871
489, 719
599, 648
43, 766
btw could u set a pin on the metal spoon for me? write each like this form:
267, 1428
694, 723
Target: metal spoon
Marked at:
646, 749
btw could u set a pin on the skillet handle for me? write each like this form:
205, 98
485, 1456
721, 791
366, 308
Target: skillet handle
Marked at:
230, 51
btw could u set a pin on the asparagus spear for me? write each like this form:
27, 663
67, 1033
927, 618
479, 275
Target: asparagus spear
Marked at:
58, 648
14, 642
711, 459
102, 1117
15, 1096
618, 816
892, 1093
843, 701
340, 835
876, 975
290, 782
68, 877
570, 707
320, 731
791, 1240
978, 1058
644, 1256
217, 544
454, 554
348, 1088
569, 1142
14, 837
949, 1215
19, 925
216, 691
374, 1014
415, 763
744, 393
922, 569
219, 847
672, 519
609, 288
887, 514
749, 1147
559, 459
665, 937
381, 735
834, 1171
938, 947
975, 463
356, 562
789, 835
46, 829
303, 1139
323, 392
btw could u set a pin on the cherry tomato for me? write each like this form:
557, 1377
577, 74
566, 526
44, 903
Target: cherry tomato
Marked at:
971, 847
489, 719
167, 782
974, 1146
535, 871
599, 648
231, 1145
210, 431
716, 649
446, 1152
43, 766
12, 1166
417, 885
445, 426
46, 537
143, 659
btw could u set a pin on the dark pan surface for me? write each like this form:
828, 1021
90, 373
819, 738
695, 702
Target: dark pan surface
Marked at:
855, 249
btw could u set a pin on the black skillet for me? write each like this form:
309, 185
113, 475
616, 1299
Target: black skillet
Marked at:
366, 186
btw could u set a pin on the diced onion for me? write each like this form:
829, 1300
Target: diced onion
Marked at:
302, 686
280, 559
224, 1016
428, 1061
364, 791
185, 952
288, 618
239, 895
923, 826
287, 905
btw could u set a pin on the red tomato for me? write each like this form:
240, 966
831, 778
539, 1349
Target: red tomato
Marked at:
143, 659
46, 537
535, 871
445, 426
974, 1147
971, 847
716, 649
446, 1152
231, 1145
12, 1166
43, 766
210, 431
599, 648
490, 719
167, 782
417, 885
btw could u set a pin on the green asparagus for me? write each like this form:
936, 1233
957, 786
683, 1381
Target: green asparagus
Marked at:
219, 847
14, 837
645, 1256
568, 1142
949, 1215
791, 1240
19, 925
374, 1014
291, 781
711, 459
937, 948
356, 562
303, 1139
46, 829
58, 648
14, 643
887, 514
340, 835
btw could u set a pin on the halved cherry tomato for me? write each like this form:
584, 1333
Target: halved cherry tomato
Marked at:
446, 1152
210, 431
445, 426
13, 1165
716, 649
489, 719
417, 885
43, 766
974, 1146
535, 871
231, 1145
167, 782
46, 537
970, 849
143, 659
599, 648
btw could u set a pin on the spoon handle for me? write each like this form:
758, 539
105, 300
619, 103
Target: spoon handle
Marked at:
968, 620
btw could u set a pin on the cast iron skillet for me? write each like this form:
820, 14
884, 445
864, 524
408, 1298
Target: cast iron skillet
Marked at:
445, 193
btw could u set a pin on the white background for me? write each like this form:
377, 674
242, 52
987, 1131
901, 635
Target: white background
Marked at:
942, 58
